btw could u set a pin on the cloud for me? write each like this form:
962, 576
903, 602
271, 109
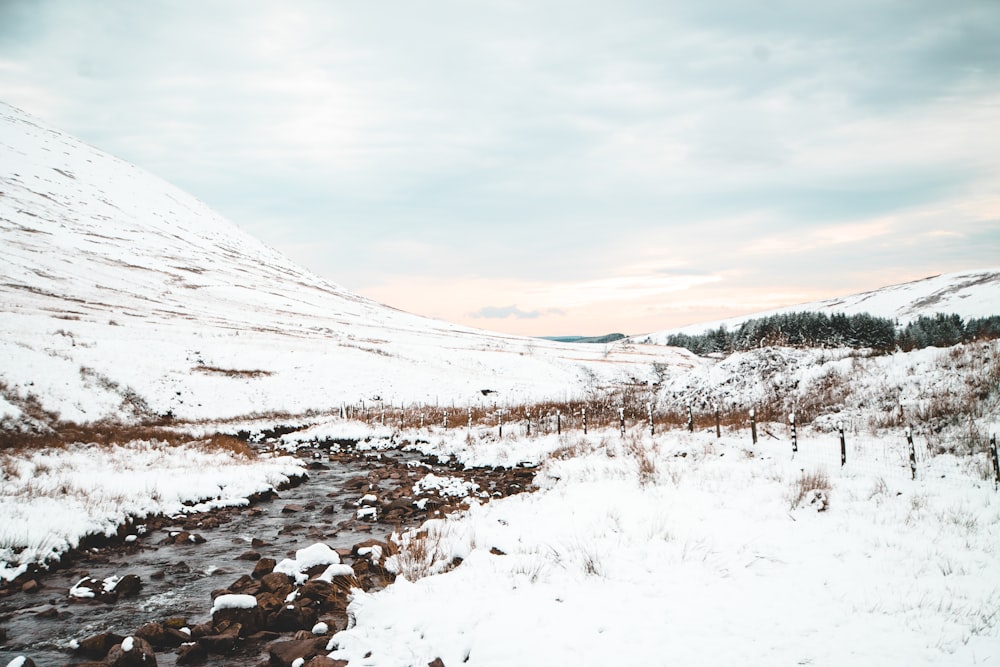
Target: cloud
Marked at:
501, 313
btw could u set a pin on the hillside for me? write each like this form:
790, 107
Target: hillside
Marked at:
123, 297
969, 294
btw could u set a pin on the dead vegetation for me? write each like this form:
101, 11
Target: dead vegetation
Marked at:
231, 372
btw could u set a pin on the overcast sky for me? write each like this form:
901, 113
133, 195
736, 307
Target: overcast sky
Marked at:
551, 167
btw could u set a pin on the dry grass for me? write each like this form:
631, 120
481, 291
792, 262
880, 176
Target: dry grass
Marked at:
816, 480
421, 553
645, 460
231, 372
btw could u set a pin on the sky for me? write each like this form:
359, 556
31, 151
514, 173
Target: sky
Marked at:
551, 167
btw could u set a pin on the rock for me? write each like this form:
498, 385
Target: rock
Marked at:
324, 661
436, 662
97, 646
224, 642
249, 555
129, 585
278, 583
292, 617
263, 567
30, 586
242, 584
191, 653
292, 509
51, 612
22, 661
283, 654
160, 636
202, 630
132, 652
250, 620
175, 623
257, 543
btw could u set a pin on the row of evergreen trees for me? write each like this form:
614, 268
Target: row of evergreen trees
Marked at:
813, 329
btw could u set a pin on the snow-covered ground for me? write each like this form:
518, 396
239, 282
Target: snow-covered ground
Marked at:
682, 549
123, 297
51, 498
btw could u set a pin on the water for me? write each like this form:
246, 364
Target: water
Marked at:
187, 573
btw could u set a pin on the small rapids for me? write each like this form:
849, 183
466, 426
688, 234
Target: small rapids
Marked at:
178, 580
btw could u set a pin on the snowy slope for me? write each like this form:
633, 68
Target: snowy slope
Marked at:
121, 295
967, 293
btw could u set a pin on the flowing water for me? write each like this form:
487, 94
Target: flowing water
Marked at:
177, 580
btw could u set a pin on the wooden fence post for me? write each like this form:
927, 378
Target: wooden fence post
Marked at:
584, 421
690, 419
649, 410
558, 423
996, 461
621, 420
527, 416
444, 420
500, 422
795, 439
753, 425
470, 418
913, 453
718, 424
843, 444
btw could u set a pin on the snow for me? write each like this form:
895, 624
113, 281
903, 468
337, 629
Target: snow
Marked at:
305, 559
455, 487
233, 601
707, 564
51, 498
966, 293
17, 662
320, 629
124, 297
127, 644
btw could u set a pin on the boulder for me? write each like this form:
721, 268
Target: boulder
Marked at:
97, 646
325, 661
263, 567
292, 617
129, 585
132, 652
276, 582
222, 643
283, 654
191, 653
22, 661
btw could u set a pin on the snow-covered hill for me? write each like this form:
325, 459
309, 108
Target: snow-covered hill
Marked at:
121, 295
966, 293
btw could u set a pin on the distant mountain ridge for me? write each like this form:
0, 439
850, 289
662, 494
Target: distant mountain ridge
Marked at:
970, 294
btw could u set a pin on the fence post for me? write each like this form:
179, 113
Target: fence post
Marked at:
584, 421
690, 419
500, 422
470, 418
621, 420
558, 423
444, 420
996, 461
753, 425
913, 453
527, 416
795, 439
843, 444
718, 423
649, 410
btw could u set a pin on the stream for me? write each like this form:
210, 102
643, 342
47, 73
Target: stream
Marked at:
178, 580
